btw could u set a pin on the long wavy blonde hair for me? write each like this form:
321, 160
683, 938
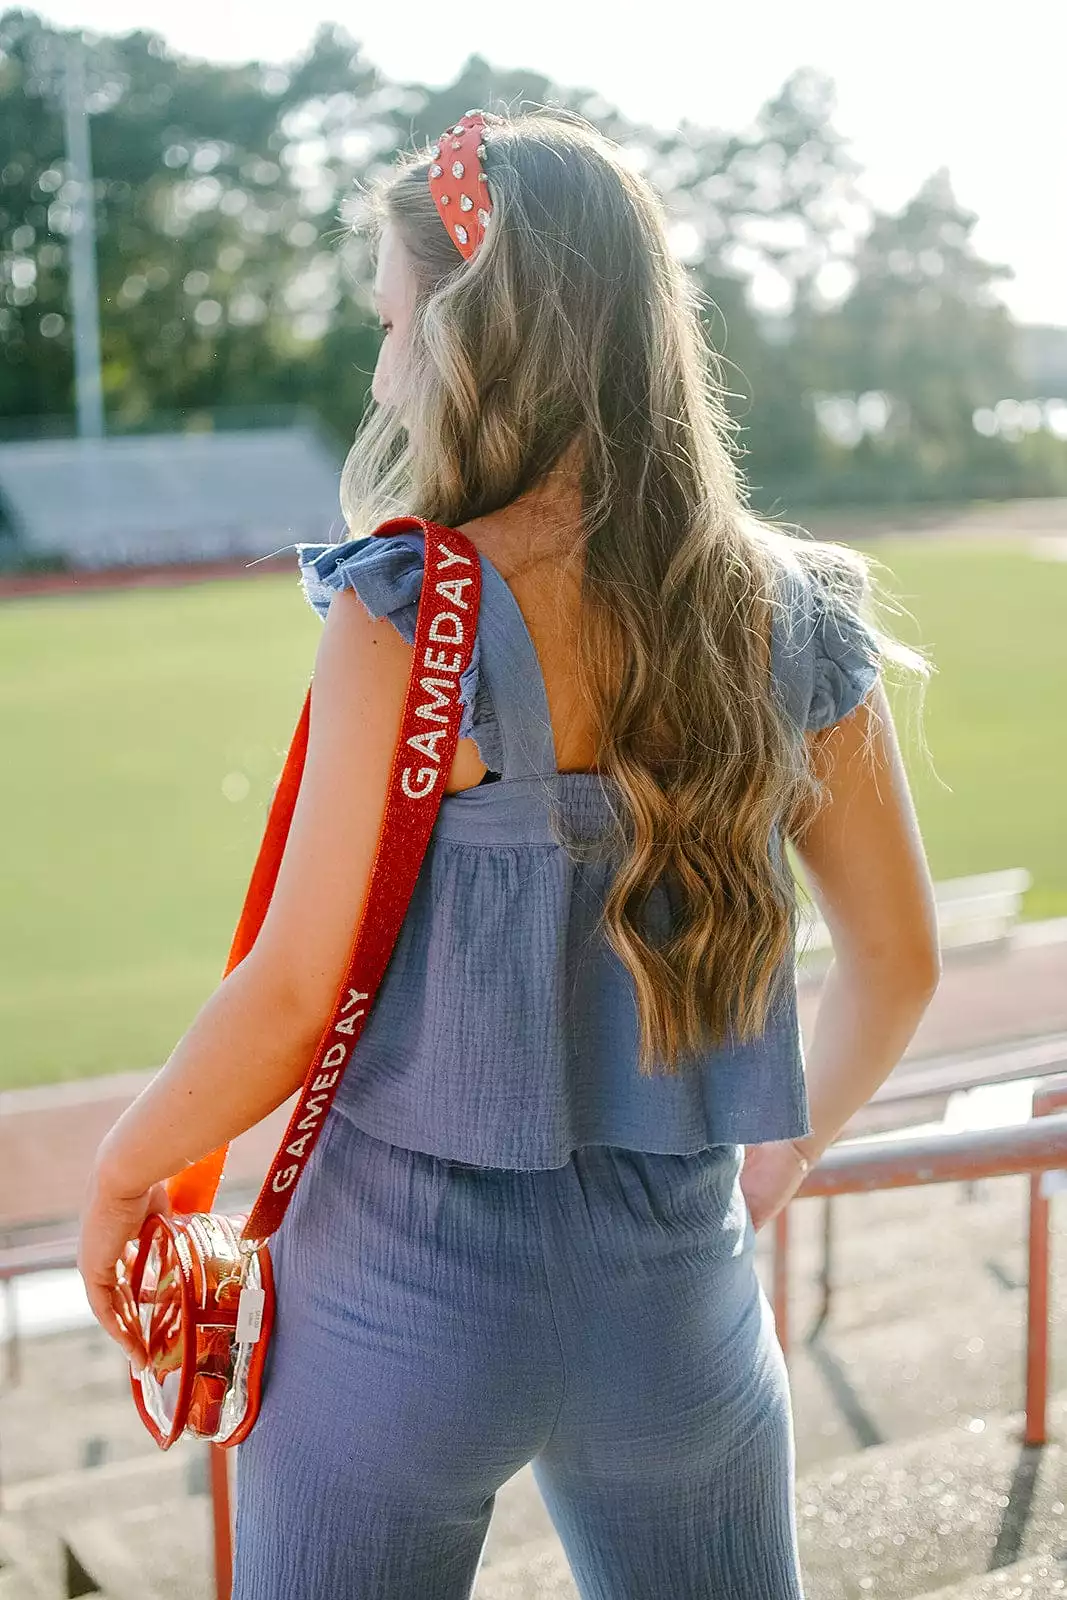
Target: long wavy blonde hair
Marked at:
575, 327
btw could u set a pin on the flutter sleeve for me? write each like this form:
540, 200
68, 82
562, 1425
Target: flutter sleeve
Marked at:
824, 657
386, 574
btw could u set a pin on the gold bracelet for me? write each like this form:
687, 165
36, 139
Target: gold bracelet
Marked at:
805, 1164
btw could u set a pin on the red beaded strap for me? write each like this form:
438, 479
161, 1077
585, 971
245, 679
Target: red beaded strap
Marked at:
444, 644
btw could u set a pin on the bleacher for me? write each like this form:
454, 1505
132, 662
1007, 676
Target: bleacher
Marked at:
145, 499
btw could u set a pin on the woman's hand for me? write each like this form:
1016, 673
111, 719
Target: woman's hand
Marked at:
110, 1222
770, 1177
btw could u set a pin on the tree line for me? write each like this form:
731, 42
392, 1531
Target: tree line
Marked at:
230, 282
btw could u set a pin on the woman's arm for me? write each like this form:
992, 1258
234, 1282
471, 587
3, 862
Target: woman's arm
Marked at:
864, 860
249, 1047
251, 1044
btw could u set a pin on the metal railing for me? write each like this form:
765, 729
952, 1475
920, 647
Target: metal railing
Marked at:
1033, 1148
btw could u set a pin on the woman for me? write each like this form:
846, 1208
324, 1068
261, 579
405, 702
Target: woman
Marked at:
526, 1234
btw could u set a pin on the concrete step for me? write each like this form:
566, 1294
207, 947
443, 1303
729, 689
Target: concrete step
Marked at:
71, 1408
46, 1518
155, 1543
900, 1520
520, 1522
33, 1558
538, 1572
1041, 1578
143, 1555
887, 1523
14, 1585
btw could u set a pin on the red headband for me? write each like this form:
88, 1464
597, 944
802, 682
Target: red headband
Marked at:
458, 184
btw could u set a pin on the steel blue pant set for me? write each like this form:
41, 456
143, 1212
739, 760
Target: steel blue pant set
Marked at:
441, 1325
510, 1246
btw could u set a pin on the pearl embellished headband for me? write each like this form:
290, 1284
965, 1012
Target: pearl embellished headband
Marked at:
458, 184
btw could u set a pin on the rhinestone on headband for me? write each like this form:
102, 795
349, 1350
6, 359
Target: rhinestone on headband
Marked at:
466, 137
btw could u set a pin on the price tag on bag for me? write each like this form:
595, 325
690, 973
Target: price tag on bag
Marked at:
1052, 1182
250, 1314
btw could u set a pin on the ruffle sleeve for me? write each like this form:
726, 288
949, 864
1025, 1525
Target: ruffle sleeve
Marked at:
386, 574
825, 658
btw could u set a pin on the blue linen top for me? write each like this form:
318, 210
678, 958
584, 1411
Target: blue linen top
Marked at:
504, 1033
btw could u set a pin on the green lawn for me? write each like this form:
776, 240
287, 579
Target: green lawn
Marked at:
129, 717
145, 728
991, 791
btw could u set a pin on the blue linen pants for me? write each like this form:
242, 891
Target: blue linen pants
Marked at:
439, 1326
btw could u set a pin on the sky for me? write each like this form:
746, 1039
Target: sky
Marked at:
920, 84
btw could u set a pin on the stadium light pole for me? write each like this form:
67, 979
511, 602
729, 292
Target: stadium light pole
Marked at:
84, 290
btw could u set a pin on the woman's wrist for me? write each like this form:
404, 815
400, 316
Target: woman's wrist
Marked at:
117, 1171
806, 1152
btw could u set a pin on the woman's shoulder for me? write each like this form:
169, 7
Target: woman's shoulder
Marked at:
825, 653
386, 572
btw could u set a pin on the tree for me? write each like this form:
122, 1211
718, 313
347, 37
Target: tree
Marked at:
217, 191
922, 326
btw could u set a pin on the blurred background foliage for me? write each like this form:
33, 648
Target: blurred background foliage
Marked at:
888, 371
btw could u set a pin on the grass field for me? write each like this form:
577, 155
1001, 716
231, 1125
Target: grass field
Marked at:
145, 728
990, 792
